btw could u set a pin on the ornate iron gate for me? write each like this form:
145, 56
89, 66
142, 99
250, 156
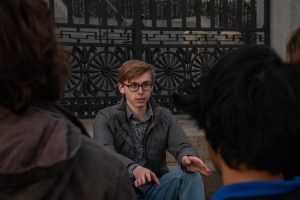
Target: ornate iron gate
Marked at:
182, 38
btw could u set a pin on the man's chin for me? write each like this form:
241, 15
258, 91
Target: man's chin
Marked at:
140, 105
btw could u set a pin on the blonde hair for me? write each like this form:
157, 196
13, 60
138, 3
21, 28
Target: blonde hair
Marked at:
131, 69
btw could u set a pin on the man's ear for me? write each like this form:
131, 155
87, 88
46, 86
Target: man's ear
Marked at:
121, 88
215, 157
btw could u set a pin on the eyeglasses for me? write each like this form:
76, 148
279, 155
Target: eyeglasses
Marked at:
135, 87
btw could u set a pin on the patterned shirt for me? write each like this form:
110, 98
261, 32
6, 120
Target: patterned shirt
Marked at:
138, 129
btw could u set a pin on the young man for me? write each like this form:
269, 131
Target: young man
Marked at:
250, 109
140, 132
45, 153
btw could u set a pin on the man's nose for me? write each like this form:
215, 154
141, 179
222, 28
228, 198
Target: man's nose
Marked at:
140, 89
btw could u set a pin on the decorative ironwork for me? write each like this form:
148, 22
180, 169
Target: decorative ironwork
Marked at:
103, 71
181, 38
169, 68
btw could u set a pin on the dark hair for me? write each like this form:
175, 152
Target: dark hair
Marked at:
32, 66
293, 47
249, 106
131, 69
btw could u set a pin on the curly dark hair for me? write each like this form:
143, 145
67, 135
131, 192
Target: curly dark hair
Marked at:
33, 67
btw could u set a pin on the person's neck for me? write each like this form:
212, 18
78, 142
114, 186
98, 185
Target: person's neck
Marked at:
231, 176
140, 113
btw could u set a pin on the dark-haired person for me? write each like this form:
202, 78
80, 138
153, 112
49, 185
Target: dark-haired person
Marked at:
293, 47
141, 131
249, 107
43, 154
293, 56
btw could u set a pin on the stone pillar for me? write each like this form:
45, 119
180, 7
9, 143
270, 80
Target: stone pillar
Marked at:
285, 18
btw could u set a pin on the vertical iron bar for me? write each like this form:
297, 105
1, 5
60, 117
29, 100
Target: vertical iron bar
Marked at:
212, 13
137, 30
86, 11
198, 10
253, 15
239, 15
184, 13
51, 5
253, 23
100, 12
168, 13
225, 14
70, 11
153, 12
267, 22
120, 12
104, 15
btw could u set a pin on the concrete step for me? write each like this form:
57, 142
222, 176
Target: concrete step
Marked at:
197, 138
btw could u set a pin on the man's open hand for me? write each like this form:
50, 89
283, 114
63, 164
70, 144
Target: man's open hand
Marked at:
195, 164
143, 176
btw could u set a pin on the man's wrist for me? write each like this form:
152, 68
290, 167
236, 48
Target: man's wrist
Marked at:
183, 167
182, 164
130, 169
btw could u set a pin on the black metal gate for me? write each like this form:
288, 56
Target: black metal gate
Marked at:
182, 38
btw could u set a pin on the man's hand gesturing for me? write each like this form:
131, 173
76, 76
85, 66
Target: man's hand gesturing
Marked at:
195, 164
143, 176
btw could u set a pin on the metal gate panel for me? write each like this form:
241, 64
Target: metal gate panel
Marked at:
182, 38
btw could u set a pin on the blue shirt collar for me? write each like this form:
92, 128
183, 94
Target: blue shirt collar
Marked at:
256, 188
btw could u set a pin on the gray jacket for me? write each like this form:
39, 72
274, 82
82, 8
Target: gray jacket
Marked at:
112, 130
44, 155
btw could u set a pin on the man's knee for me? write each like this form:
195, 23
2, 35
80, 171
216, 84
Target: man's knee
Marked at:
193, 178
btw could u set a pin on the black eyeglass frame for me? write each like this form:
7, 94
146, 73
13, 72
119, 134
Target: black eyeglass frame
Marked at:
146, 84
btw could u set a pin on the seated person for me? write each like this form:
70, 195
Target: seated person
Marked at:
45, 153
249, 106
141, 131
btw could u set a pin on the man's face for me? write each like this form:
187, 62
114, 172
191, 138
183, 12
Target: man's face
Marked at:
137, 99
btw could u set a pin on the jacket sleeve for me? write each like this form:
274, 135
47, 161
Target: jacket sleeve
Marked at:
103, 136
123, 188
178, 143
99, 175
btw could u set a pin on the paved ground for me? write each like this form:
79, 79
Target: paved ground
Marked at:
196, 136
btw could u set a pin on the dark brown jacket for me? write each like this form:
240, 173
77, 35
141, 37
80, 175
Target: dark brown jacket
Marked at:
112, 130
43, 155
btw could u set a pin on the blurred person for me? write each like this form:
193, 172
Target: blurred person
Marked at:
293, 56
293, 47
141, 131
249, 106
45, 153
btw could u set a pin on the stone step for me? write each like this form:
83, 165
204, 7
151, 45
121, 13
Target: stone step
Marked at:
211, 183
197, 138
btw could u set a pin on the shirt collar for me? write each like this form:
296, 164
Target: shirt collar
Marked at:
256, 188
130, 114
